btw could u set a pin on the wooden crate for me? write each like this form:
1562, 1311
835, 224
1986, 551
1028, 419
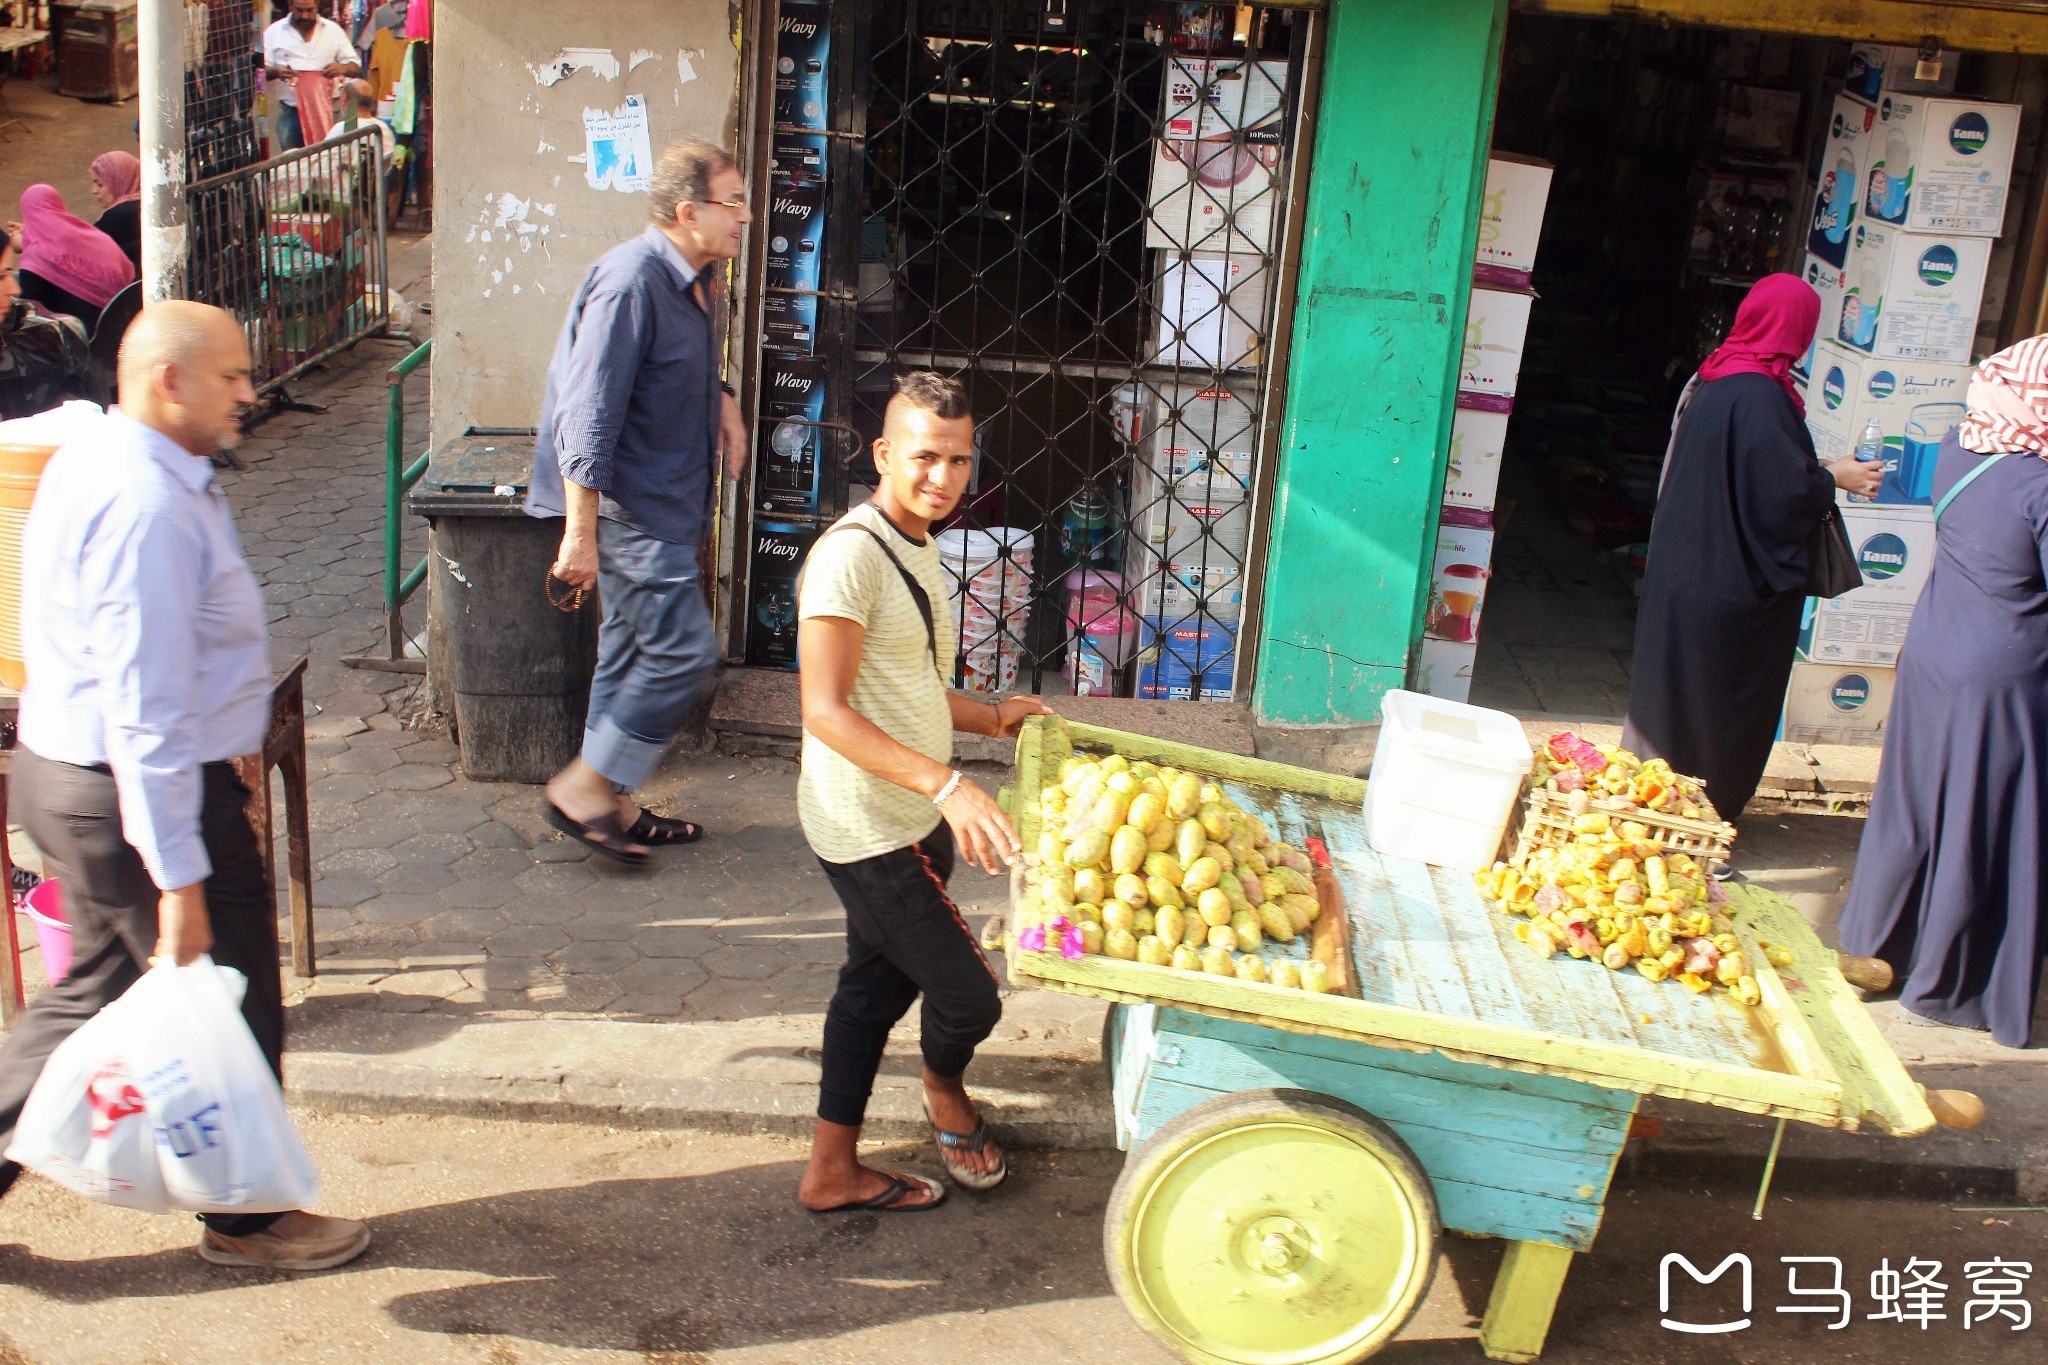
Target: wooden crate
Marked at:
1546, 822
1438, 971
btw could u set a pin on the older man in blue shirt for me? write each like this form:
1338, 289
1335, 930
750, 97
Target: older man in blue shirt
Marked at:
631, 426
147, 672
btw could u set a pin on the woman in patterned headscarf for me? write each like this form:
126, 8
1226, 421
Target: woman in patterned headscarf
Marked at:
1951, 884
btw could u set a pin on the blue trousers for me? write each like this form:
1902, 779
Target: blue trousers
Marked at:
656, 652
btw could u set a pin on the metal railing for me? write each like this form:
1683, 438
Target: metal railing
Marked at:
294, 247
399, 477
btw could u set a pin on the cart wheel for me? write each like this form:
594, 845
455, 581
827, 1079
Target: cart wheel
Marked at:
1112, 1019
1272, 1227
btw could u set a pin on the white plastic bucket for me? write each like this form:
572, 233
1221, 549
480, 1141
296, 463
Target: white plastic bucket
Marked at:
1445, 777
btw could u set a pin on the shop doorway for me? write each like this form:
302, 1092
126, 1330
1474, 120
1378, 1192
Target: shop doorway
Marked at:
1080, 209
1686, 161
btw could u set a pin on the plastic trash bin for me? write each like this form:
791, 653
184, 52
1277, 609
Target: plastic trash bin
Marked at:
517, 669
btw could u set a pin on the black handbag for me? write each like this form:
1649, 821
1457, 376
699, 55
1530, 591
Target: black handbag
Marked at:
1831, 560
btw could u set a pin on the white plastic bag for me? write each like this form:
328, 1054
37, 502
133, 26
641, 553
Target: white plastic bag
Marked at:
163, 1101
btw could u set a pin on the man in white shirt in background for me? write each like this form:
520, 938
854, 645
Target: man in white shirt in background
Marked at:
303, 41
148, 671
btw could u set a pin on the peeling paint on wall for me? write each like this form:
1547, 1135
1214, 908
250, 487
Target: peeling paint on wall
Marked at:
566, 63
641, 54
685, 70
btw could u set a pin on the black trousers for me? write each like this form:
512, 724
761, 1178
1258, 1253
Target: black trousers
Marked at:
904, 937
74, 816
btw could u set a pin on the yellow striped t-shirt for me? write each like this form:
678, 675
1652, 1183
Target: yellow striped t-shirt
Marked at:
849, 813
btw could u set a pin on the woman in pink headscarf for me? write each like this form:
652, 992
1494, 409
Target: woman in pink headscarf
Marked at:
1725, 584
68, 265
117, 185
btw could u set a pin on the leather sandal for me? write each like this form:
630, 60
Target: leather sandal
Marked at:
602, 834
658, 831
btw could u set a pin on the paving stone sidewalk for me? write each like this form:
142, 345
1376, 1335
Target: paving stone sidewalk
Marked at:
433, 892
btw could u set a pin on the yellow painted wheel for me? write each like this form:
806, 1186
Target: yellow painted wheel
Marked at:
1272, 1227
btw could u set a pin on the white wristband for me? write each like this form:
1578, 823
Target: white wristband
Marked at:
945, 793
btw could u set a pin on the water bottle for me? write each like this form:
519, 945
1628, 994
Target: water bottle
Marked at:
1871, 447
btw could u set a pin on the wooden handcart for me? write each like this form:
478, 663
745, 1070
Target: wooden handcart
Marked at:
1294, 1158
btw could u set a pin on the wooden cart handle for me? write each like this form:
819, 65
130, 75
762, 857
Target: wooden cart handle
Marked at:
1870, 973
1954, 1108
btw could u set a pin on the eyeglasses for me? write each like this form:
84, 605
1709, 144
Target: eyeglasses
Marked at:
736, 205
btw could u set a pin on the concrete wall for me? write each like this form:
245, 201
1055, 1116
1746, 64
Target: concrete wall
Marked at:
515, 222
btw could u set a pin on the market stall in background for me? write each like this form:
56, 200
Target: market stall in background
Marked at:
1084, 214
1668, 169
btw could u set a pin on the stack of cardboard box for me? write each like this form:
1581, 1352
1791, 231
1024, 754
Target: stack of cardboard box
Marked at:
1213, 203
1496, 327
1912, 194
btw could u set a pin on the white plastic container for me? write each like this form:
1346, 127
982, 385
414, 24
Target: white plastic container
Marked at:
1444, 781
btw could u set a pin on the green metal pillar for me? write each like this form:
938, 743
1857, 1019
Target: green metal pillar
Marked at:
1400, 160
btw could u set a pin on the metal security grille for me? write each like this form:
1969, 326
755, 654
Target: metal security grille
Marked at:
221, 133
294, 247
1079, 208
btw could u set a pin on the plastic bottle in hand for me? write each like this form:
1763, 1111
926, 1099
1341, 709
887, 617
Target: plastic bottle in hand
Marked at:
1869, 450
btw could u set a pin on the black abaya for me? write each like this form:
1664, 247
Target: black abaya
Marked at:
1725, 586
1949, 881
123, 223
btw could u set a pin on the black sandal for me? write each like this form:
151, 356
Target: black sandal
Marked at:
658, 831
975, 1142
891, 1199
602, 834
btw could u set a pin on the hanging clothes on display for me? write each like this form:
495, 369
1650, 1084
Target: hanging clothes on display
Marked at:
405, 111
419, 21
387, 61
316, 105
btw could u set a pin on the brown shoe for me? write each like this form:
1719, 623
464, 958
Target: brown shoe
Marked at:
297, 1241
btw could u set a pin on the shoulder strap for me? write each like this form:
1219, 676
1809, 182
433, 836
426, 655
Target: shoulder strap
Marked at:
1967, 479
917, 592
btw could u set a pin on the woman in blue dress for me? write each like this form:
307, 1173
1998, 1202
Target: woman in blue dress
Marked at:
1949, 885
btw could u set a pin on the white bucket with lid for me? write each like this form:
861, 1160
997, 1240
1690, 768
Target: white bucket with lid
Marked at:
1445, 778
